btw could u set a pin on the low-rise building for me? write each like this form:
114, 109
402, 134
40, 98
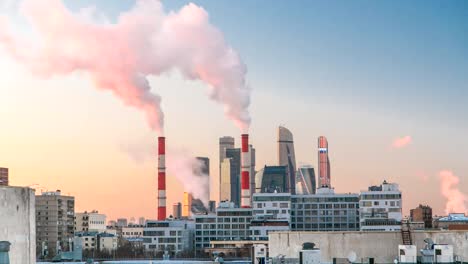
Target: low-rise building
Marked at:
93, 240
452, 222
381, 208
171, 235
422, 213
90, 221
134, 231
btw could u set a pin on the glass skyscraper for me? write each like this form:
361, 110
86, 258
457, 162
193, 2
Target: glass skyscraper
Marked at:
287, 157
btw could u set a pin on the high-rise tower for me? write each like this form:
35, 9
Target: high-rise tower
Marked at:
161, 178
287, 157
323, 163
224, 143
305, 178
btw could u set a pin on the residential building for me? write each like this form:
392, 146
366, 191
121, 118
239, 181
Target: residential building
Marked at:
286, 157
325, 211
381, 208
272, 179
135, 231
121, 222
323, 163
90, 221
422, 213
4, 177
305, 179
456, 221
54, 221
171, 235
100, 241
230, 176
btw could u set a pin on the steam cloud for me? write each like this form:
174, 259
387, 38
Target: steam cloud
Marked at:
456, 200
402, 142
119, 57
189, 172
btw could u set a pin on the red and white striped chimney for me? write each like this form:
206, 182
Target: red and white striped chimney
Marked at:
245, 174
161, 178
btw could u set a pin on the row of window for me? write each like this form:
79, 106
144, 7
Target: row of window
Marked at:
325, 206
380, 196
380, 203
324, 200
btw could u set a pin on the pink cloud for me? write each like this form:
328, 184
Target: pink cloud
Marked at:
456, 200
402, 142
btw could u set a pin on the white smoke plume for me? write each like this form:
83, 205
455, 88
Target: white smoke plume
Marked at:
456, 200
118, 57
189, 172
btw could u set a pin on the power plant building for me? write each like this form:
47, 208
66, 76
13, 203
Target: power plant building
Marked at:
286, 157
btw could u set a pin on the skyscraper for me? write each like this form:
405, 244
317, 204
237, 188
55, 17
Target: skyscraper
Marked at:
187, 204
230, 176
323, 163
306, 179
272, 179
177, 210
225, 142
287, 157
3, 176
205, 169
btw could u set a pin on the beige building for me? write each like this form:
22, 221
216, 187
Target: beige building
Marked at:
132, 231
54, 221
90, 221
97, 241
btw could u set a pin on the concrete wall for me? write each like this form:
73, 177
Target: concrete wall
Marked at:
383, 246
18, 223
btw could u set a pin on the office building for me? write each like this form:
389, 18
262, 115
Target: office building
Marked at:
323, 163
212, 206
229, 223
305, 178
381, 208
286, 157
177, 210
271, 212
272, 179
224, 143
172, 236
90, 221
4, 177
422, 213
325, 211
54, 221
230, 176
205, 168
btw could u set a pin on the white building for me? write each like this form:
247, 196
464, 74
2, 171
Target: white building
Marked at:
271, 212
97, 241
90, 221
381, 208
135, 231
171, 235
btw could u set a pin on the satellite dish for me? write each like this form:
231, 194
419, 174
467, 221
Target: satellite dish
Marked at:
352, 256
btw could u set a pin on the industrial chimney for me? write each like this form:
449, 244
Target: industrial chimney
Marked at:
245, 176
161, 178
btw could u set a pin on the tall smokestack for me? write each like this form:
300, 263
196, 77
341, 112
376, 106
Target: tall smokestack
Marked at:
161, 178
245, 179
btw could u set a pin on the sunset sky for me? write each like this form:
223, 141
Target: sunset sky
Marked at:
385, 81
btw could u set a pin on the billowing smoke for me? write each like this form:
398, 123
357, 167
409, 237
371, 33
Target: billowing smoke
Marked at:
457, 202
189, 172
119, 57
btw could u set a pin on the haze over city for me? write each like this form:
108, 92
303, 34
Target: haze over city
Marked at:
384, 82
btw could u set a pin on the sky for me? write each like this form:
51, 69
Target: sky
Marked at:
385, 81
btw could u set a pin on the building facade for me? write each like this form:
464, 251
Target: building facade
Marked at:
287, 157
4, 177
325, 211
323, 163
381, 208
272, 179
271, 212
55, 215
305, 178
230, 176
422, 213
177, 210
172, 236
90, 221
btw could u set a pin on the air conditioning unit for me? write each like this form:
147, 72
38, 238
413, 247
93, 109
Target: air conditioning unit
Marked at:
407, 254
443, 253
